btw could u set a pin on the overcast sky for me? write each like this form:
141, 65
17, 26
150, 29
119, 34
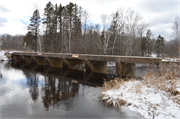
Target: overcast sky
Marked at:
160, 14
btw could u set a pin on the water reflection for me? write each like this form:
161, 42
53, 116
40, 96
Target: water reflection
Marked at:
58, 84
56, 90
32, 82
33, 91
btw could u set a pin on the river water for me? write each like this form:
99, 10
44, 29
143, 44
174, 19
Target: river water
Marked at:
33, 91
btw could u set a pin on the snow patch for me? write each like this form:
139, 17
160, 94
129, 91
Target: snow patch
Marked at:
3, 56
173, 60
153, 55
111, 64
150, 102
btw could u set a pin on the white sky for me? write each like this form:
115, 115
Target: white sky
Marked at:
160, 14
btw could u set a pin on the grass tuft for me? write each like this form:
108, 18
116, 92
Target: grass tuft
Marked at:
112, 84
166, 79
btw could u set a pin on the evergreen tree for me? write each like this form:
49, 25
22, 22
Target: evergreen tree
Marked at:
31, 37
76, 30
143, 46
72, 22
69, 19
54, 29
149, 42
115, 26
60, 24
47, 21
159, 46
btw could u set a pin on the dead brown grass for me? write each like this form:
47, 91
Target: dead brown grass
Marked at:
138, 87
114, 84
120, 103
166, 79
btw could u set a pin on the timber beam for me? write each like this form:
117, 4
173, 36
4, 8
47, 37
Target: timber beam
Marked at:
125, 65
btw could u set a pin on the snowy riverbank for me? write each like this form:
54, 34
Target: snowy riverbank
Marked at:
154, 97
173, 60
3, 56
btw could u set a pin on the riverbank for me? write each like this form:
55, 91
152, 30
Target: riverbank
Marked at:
157, 96
5, 55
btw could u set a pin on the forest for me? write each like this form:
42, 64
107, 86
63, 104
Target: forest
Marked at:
68, 29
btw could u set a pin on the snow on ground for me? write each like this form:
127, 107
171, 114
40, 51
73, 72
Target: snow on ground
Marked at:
166, 59
149, 102
3, 56
171, 60
153, 55
111, 64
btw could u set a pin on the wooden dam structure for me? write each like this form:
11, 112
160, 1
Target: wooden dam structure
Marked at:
125, 65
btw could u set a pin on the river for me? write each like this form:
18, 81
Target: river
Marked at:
33, 91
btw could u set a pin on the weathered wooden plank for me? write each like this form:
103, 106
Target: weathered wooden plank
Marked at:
112, 58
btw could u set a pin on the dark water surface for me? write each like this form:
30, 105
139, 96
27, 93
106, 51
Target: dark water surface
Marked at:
32, 91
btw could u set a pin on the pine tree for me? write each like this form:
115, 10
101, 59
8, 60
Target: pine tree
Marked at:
61, 23
114, 28
159, 46
76, 30
69, 16
47, 21
149, 42
143, 46
31, 37
54, 29
60, 14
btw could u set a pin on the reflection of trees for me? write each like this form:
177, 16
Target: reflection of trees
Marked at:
32, 82
7, 65
0, 74
56, 90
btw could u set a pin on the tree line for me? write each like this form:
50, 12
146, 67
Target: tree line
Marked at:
68, 29
10, 42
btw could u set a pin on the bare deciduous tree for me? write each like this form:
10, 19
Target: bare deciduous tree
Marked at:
103, 43
176, 32
85, 42
132, 21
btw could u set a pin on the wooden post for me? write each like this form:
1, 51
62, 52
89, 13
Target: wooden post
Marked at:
125, 69
84, 68
118, 69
